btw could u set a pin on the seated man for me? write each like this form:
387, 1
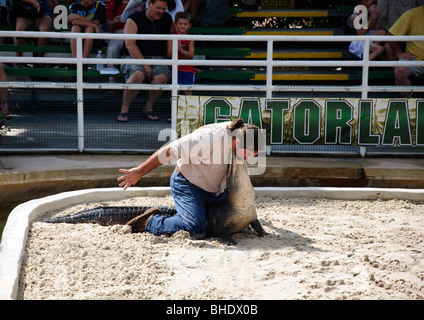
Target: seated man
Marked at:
86, 16
410, 23
154, 20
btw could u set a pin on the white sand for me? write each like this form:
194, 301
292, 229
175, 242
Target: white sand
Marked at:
316, 249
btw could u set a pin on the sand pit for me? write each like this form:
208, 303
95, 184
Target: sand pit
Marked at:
316, 249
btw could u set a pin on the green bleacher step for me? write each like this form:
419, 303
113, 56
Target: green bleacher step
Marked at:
302, 54
225, 75
35, 48
223, 52
240, 13
305, 76
217, 30
294, 31
227, 52
48, 72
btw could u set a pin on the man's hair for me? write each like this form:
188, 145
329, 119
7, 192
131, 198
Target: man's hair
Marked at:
244, 132
183, 15
153, 1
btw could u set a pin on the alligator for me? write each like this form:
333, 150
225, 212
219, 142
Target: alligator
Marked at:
224, 219
107, 215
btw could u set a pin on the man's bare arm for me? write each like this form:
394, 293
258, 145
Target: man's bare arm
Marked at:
131, 176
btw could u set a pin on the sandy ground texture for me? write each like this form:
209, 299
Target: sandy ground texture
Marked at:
316, 249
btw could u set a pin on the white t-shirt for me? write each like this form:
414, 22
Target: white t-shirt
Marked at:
204, 155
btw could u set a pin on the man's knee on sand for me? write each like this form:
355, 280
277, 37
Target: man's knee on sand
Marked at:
197, 229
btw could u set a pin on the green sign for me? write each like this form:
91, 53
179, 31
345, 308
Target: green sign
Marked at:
326, 121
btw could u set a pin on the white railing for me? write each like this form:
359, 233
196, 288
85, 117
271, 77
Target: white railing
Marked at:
269, 63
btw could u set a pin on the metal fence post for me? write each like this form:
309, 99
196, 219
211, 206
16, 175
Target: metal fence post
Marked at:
174, 90
365, 88
269, 67
80, 96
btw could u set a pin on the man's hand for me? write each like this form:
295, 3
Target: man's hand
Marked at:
405, 55
130, 177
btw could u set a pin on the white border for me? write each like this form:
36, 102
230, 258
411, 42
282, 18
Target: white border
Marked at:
15, 232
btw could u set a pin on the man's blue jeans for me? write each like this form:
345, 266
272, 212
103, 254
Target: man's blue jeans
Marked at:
190, 202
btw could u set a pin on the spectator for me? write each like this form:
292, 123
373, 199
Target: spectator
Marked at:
28, 13
410, 23
186, 74
114, 9
209, 13
154, 20
3, 94
187, 5
373, 27
132, 7
86, 16
53, 4
173, 6
391, 10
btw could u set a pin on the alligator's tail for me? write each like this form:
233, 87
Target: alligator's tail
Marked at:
107, 215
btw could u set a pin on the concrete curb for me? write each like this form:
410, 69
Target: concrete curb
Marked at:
12, 246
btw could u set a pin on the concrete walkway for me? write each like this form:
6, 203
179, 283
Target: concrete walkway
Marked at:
26, 177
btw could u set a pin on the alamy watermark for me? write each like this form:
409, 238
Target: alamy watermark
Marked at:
61, 20
361, 20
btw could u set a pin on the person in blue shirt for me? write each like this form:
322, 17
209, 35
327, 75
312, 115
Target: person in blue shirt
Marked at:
86, 16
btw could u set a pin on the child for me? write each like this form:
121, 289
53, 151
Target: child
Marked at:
185, 49
373, 27
86, 16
